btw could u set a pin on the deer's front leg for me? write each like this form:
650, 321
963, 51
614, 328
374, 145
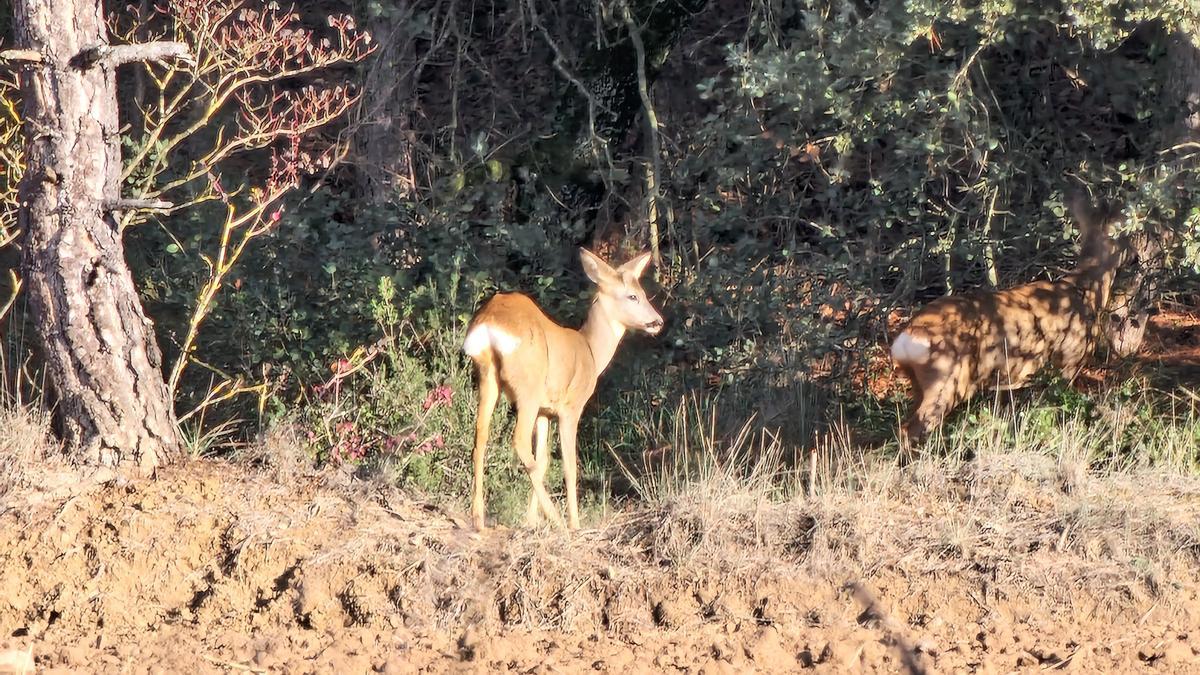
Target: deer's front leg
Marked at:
567, 427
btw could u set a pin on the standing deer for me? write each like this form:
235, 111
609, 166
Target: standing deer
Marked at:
960, 344
547, 370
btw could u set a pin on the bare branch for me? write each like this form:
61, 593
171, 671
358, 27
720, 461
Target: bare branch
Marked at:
137, 204
654, 165
27, 55
597, 142
115, 55
1186, 145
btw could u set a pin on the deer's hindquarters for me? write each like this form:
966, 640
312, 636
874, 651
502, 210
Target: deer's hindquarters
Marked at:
960, 345
941, 379
483, 337
910, 349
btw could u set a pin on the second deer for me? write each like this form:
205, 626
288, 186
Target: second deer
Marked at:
961, 344
547, 370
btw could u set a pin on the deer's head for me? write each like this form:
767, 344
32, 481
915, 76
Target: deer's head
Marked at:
621, 293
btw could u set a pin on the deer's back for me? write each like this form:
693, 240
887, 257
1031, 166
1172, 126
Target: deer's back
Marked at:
1006, 337
544, 360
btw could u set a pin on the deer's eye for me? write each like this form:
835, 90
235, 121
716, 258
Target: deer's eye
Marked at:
632, 297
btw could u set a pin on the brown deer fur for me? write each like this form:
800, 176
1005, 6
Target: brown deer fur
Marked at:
547, 370
958, 345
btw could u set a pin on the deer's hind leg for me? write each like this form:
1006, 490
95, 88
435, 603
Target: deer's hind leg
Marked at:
941, 389
489, 393
527, 419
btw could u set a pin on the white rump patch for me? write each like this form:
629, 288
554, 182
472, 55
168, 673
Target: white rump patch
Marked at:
484, 336
910, 349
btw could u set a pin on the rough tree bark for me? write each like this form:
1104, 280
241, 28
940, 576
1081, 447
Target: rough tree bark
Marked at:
385, 143
99, 346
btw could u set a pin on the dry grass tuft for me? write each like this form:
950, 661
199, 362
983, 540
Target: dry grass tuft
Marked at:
24, 443
280, 454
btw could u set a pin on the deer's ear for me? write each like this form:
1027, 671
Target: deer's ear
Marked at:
596, 269
638, 265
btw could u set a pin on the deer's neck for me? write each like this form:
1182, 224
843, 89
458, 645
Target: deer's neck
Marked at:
1100, 257
603, 334
1095, 281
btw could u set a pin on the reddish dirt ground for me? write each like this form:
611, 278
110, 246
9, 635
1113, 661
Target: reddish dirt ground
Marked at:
209, 569
1174, 337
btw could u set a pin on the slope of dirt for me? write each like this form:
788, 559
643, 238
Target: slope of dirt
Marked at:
210, 568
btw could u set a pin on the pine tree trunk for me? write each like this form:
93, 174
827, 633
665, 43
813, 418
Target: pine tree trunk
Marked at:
98, 344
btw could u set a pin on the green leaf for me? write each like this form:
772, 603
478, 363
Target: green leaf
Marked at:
495, 169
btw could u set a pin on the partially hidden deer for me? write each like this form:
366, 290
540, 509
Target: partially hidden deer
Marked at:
961, 344
547, 370
1135, 291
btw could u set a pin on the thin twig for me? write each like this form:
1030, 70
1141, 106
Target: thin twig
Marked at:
654, 165
908, 653
232, 665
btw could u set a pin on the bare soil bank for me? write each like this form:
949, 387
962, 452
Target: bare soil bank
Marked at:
213, 568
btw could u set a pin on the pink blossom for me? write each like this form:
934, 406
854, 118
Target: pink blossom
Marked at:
439, 395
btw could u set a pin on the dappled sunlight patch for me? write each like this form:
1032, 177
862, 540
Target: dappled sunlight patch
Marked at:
1174, 336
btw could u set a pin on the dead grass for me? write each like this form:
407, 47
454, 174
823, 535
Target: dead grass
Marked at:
1011, 518
1012, 502
279, 453
24, 441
